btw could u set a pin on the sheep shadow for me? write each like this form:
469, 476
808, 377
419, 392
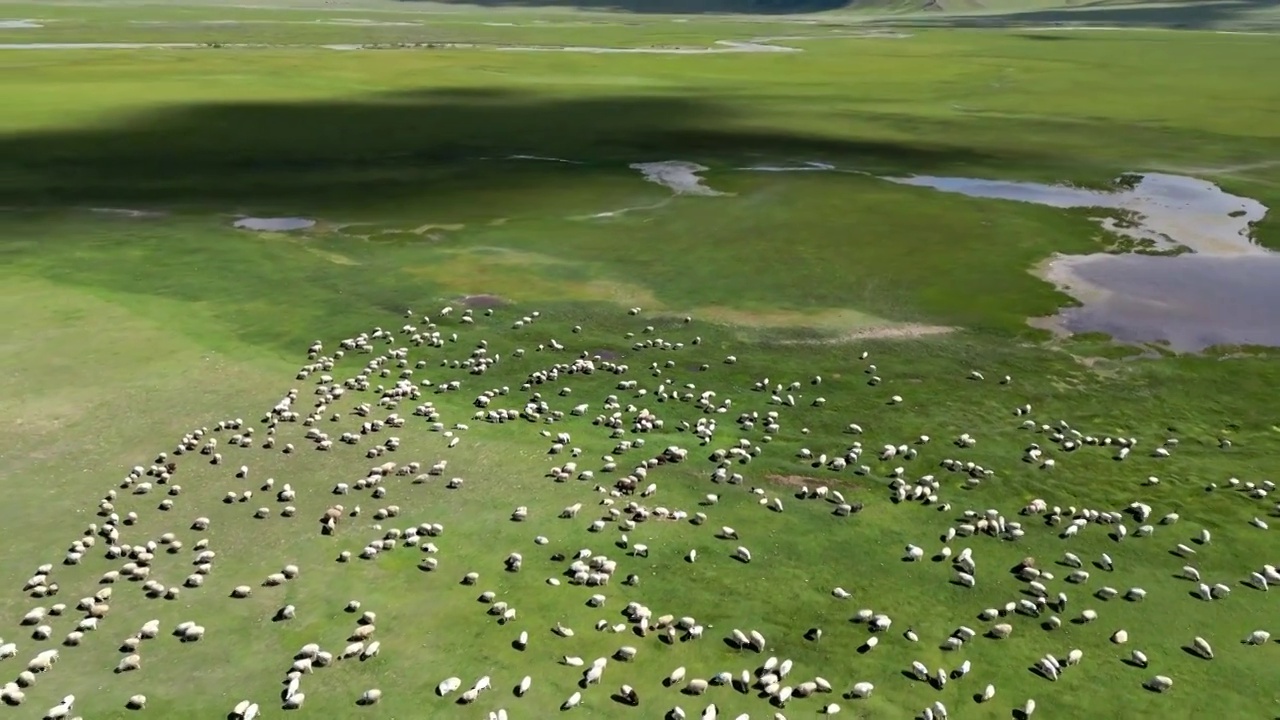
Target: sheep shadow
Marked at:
1102, 566
1132, 663
1193, 652
1018, 714
739, 558
517, 646
1040, 673
813, 634
911, 676
623, 700
733, 644
863, 649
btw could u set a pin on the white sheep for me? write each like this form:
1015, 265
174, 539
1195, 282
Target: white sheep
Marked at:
129, 663
1159, 683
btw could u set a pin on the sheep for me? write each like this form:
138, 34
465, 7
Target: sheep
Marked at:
697, 686
1258, 637
1159, 683
1000, 631
862, 690
370, 697
129, 663
12, 694
573, 701
1202, 648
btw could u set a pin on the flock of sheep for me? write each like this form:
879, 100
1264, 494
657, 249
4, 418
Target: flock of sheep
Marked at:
382, 392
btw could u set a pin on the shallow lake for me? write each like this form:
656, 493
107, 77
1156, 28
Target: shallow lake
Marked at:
1224, 291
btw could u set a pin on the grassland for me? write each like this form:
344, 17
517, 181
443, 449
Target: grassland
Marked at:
121, 333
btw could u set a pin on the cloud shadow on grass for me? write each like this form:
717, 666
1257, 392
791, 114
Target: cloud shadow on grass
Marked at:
427, 146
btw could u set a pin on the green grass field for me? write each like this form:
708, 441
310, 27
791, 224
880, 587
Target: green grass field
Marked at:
123, 331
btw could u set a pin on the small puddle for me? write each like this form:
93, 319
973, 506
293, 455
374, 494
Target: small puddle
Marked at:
275, 224
682, 177
543, 158
1222, 292
808, 166
127, 212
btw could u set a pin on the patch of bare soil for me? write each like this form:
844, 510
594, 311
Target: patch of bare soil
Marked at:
904, 331
483, 301
797, 481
